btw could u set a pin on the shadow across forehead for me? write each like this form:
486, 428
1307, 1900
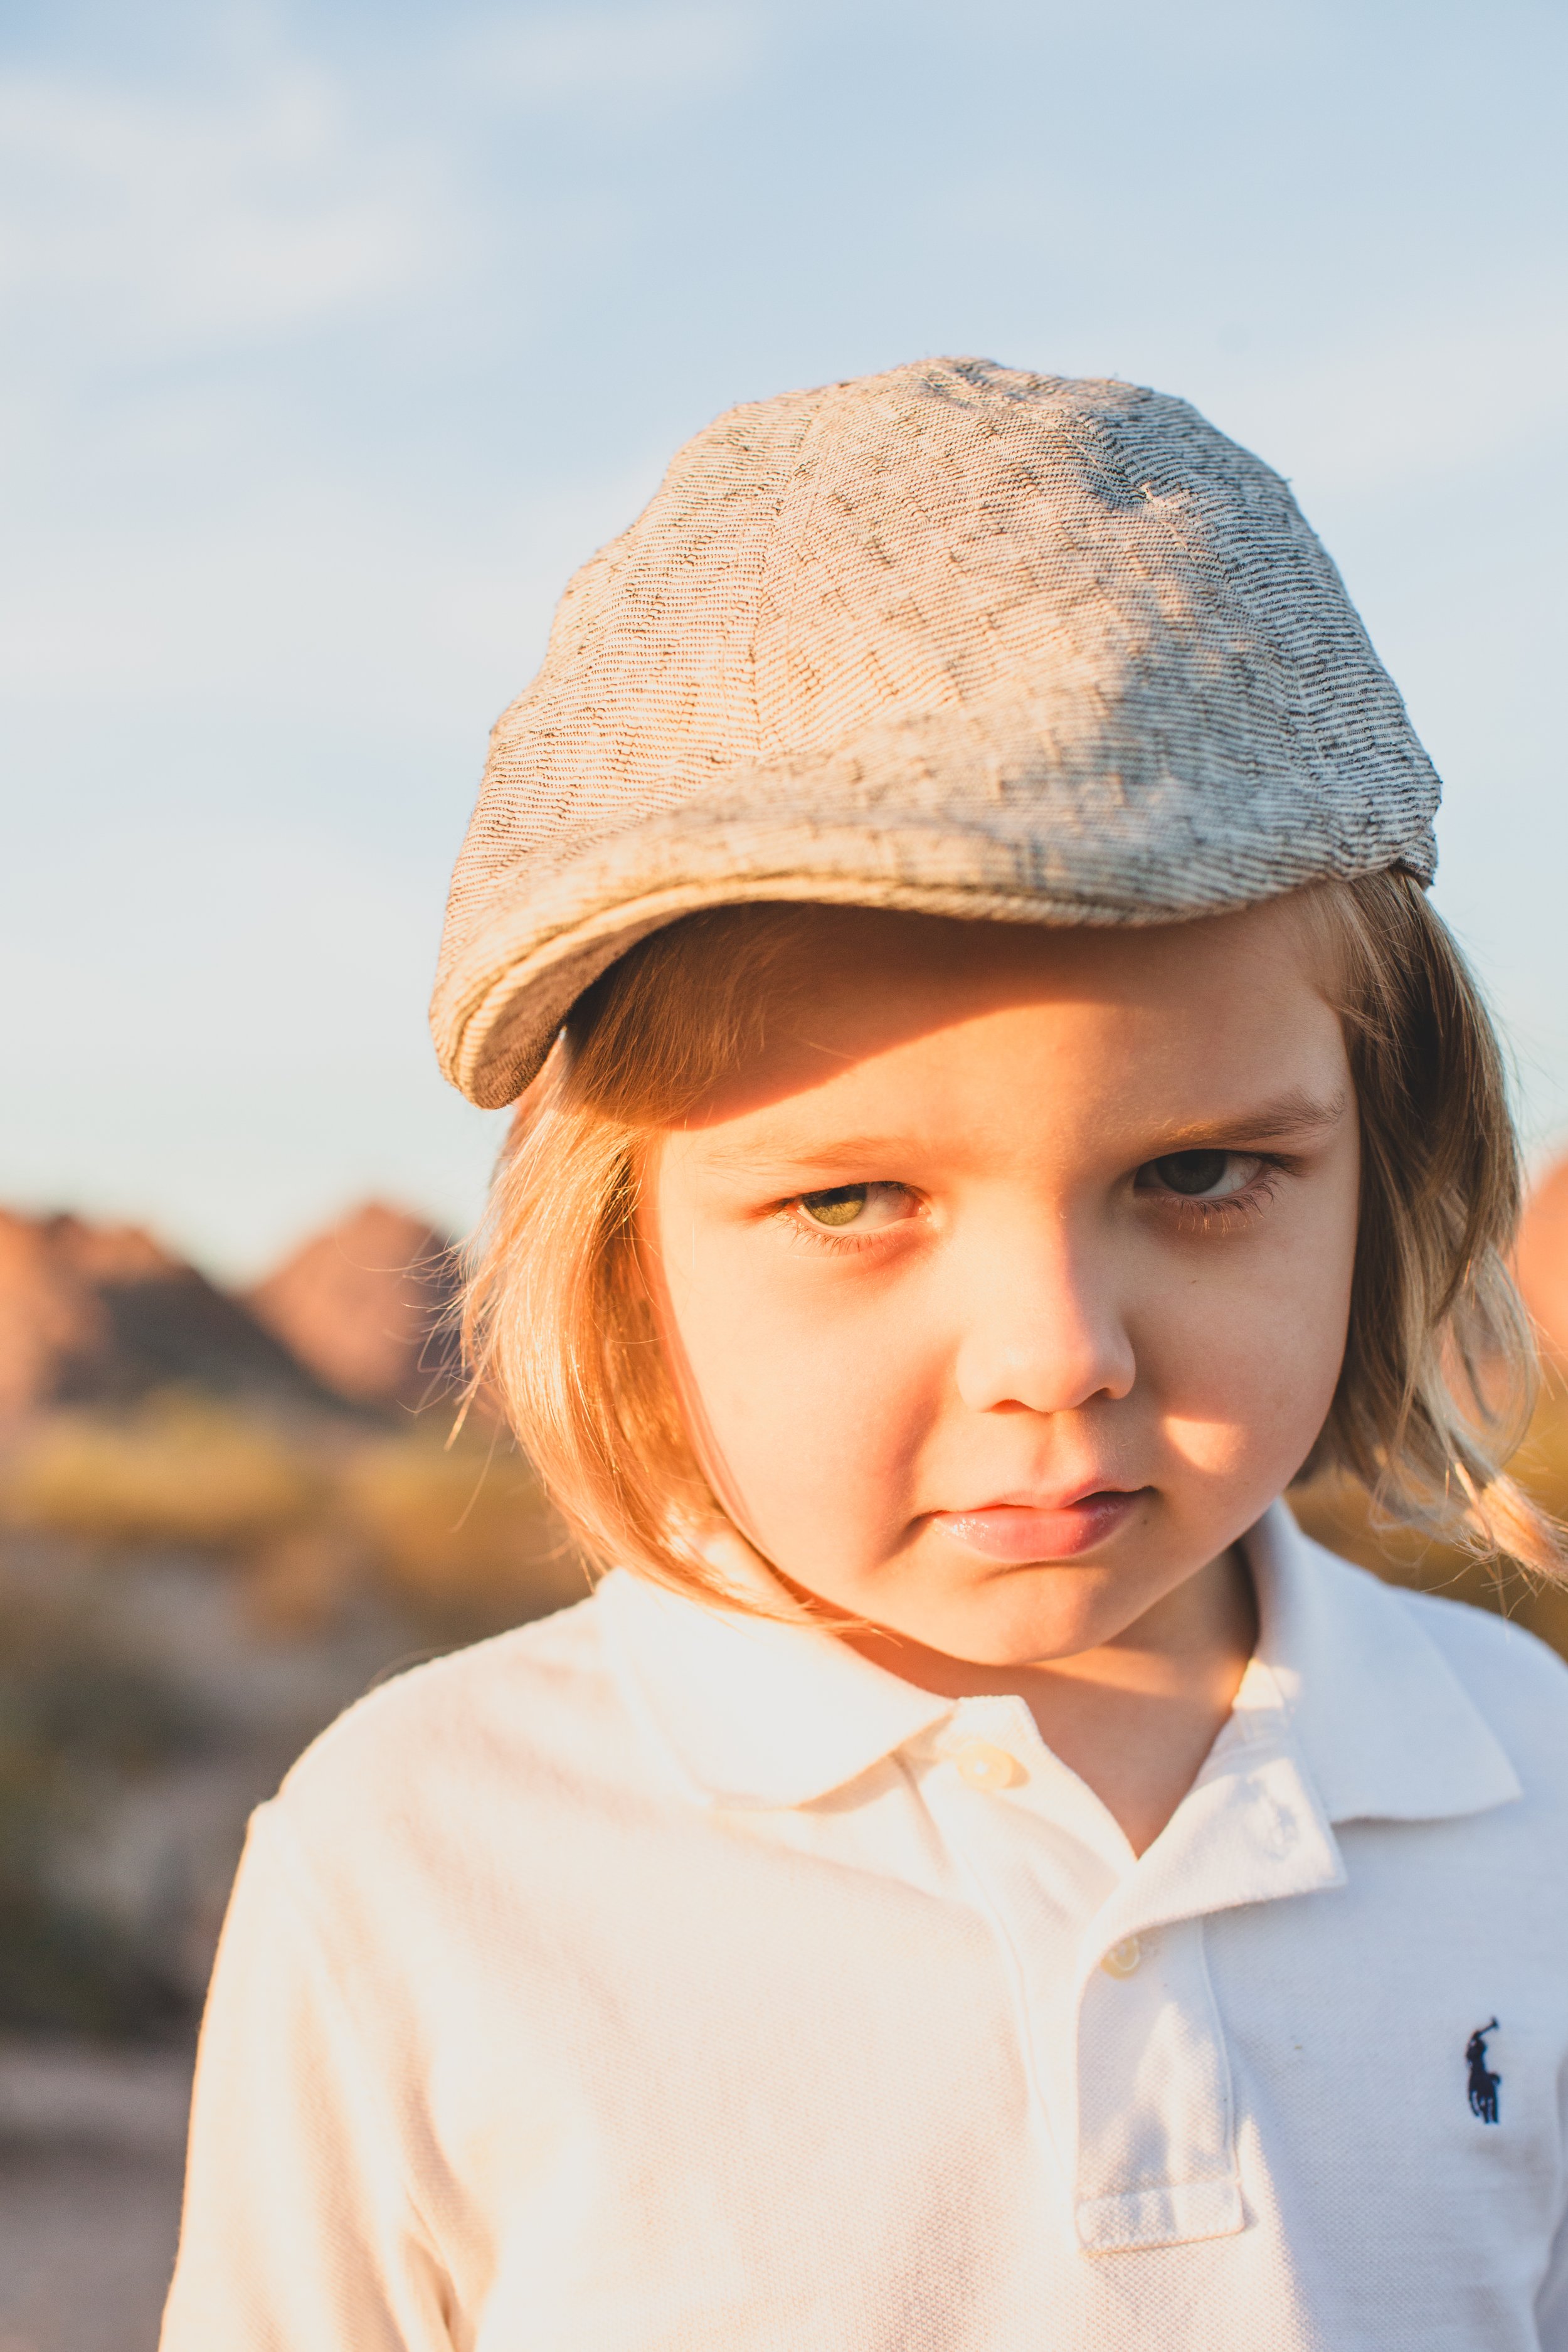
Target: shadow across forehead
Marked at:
813, 991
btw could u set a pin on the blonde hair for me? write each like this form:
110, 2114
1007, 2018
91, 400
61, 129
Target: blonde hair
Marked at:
1438, 1375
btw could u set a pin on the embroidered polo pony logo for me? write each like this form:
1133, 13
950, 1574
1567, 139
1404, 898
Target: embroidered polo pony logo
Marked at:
1484, 2084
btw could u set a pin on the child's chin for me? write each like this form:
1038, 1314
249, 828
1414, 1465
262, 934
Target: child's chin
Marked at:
1017, 1624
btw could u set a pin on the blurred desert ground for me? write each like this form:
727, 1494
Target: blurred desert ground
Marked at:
222, 1517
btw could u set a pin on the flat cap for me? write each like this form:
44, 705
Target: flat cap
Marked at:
957, 640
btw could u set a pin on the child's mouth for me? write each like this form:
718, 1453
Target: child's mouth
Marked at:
1024, 1533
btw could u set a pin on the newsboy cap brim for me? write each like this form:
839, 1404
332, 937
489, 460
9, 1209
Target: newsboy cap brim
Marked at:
955, 640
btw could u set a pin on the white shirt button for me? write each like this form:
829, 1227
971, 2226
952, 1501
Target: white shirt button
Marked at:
1123, 1958
981, 1766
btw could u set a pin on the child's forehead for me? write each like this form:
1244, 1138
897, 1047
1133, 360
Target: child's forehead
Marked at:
901, 1021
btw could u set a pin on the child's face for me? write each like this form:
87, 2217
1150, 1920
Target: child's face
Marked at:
1008, 1284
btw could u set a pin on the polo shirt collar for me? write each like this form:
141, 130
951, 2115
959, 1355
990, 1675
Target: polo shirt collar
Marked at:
1348, 1711
1384, 1725
756, 1714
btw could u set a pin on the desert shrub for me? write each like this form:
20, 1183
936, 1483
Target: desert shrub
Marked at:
73, 1709
460, 1531
457, 1534
181, 1470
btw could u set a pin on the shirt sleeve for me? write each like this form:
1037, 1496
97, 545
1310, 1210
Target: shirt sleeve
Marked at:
299, 2233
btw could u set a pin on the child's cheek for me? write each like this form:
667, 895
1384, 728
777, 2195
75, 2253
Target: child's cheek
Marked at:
1242, 1366
816, 1401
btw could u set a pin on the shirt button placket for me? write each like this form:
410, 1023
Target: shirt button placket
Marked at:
1155, 2157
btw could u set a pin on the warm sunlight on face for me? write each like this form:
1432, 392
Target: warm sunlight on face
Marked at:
1010, 1283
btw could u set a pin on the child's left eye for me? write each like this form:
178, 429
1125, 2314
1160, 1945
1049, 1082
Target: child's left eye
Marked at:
1199, 1175
858, 1206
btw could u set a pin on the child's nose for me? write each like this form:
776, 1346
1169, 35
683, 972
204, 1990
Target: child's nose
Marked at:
1043, 1329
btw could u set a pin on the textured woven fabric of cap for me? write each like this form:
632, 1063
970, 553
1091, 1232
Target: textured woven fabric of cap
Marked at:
956, 639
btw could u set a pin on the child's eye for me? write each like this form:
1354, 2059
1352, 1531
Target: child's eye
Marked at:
862, 1206
1199, 1175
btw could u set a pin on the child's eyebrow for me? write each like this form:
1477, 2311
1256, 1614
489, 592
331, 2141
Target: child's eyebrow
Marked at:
1297, 1113
853, 1150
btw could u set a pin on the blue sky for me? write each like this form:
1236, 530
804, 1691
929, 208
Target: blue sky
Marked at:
335, 336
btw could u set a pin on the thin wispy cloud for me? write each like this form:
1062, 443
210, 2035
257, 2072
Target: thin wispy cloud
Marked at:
167, 225
615, 57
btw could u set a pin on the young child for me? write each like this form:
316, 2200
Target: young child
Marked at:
995, 1104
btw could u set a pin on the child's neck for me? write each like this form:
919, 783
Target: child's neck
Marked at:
1133, 1718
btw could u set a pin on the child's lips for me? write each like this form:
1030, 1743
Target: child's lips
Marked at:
1025, 1533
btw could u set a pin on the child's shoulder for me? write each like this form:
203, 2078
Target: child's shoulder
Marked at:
508, 1712
1516, 1682
1508, 1670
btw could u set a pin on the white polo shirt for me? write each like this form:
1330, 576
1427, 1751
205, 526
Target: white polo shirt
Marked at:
656, 1980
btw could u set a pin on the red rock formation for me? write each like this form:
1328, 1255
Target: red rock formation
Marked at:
364, 1306
105, 1313
1541, 1260
49, 1314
